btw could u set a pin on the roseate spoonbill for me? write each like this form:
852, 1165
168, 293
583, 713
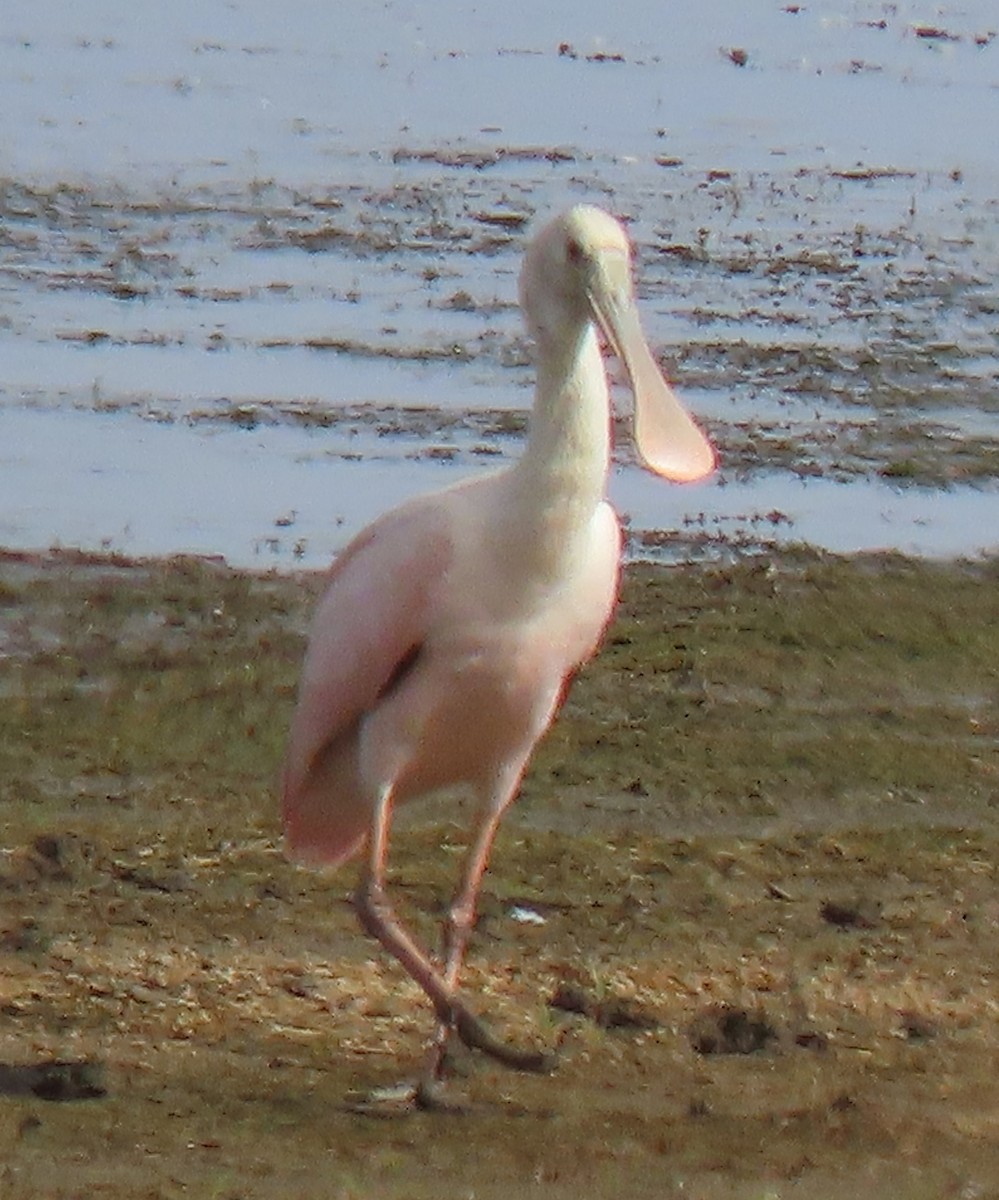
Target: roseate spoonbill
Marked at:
451, 627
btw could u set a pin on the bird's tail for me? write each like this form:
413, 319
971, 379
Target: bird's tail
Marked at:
326, 814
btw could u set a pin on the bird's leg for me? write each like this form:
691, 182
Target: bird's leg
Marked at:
457, 930
378, 919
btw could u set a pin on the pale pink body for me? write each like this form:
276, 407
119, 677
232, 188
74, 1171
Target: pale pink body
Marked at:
437, 596
451, 627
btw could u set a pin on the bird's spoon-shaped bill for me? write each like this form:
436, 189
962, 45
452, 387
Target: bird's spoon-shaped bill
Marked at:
666, 437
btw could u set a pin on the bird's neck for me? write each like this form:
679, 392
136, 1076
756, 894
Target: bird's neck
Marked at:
563, 470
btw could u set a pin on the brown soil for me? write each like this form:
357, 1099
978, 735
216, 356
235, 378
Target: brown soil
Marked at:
748, 897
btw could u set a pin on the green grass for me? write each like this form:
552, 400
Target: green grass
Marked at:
750, 689
754, 741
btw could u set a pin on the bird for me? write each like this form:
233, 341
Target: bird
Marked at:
451, 627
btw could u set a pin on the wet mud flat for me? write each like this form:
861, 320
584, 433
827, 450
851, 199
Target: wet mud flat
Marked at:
748, 896
867, 293
361, 339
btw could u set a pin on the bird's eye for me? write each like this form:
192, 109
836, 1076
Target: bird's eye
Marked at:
574, 252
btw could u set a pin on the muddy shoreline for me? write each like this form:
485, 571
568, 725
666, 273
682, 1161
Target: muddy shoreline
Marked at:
757, 854
353, 329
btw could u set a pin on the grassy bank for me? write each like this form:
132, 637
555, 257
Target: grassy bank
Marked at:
774, 794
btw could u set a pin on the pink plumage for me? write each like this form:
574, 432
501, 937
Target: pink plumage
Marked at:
450, 628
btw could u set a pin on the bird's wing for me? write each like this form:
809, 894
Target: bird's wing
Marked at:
373, 617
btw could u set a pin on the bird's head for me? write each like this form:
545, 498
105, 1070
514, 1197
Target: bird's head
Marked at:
578, 270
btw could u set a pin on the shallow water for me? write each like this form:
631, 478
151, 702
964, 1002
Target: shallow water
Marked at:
209, 244
105, 481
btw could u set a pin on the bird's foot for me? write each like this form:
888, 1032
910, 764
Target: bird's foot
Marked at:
477, 1037
432, 1096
